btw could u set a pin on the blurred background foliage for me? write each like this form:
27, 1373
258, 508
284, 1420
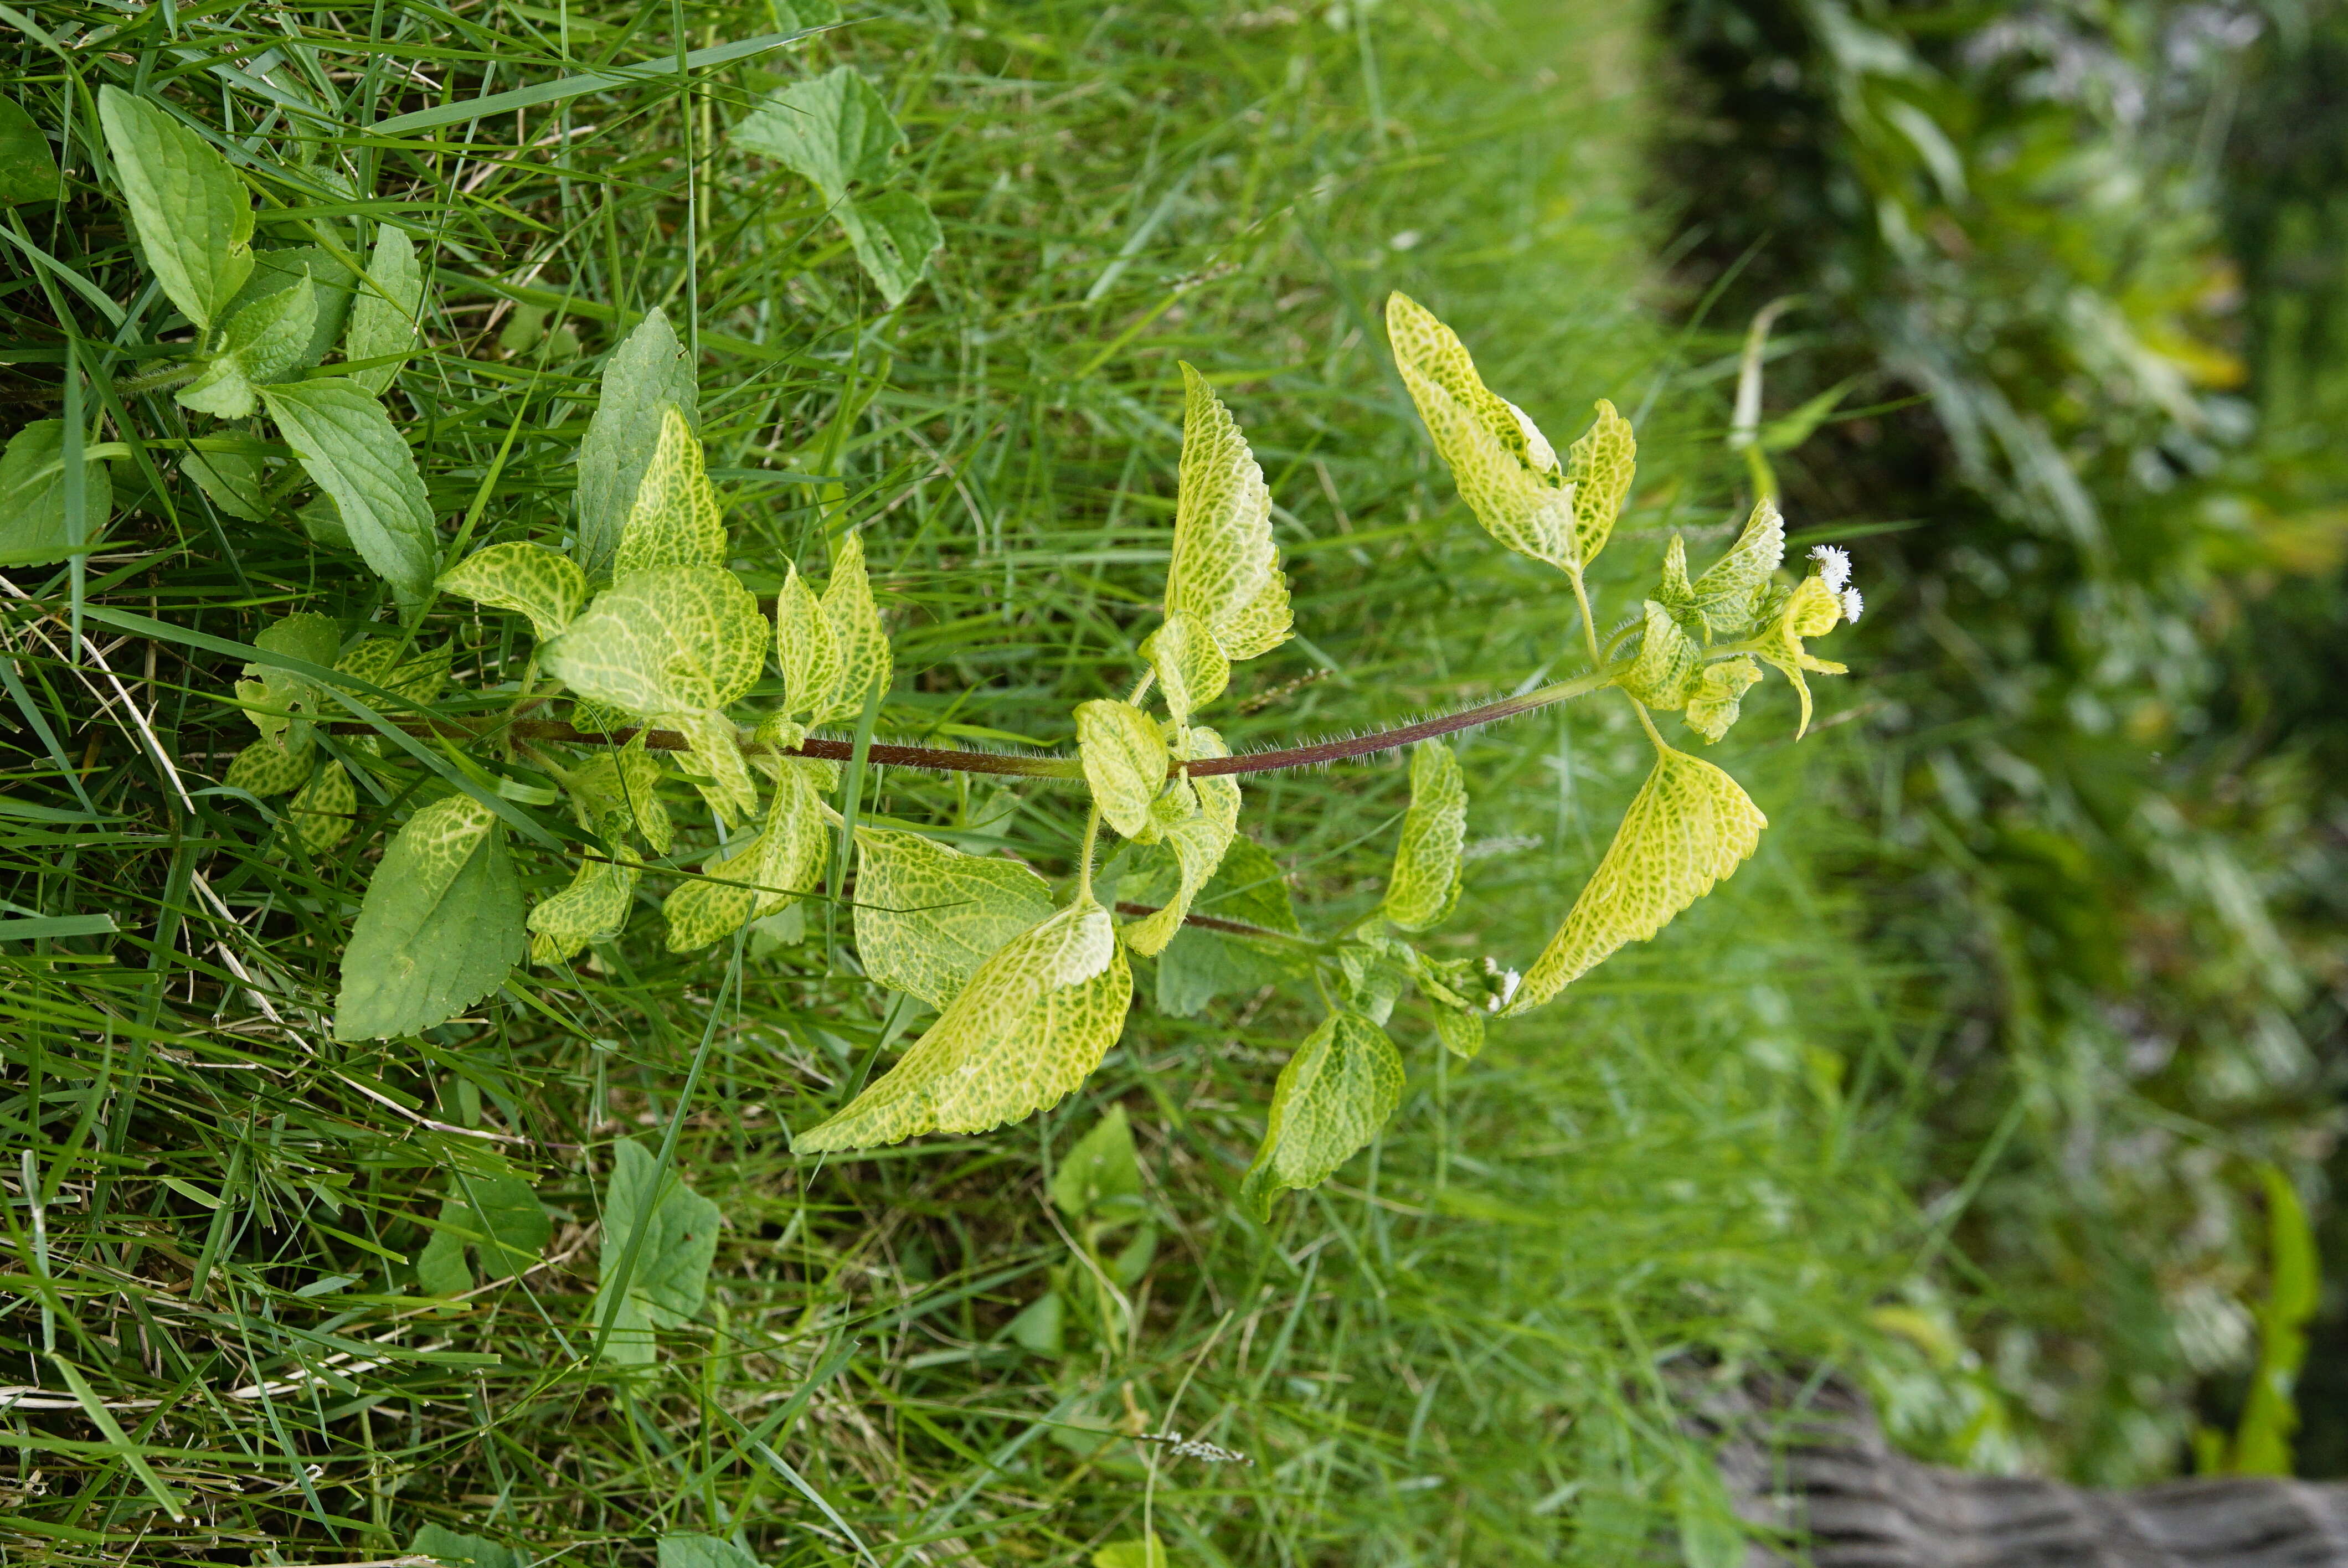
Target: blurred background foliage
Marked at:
1965, 1085
2084, 260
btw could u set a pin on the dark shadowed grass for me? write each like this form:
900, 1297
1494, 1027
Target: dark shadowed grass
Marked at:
1474, 1344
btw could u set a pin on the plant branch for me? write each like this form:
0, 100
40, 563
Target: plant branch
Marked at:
951, 760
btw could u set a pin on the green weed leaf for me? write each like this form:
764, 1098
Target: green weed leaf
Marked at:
284, 703
1199, 965
1225, 569
234, 483
1453, 994
33, 496
548, 588
596, 902
499, 1218
714, 762
1506, 469
894, 236
383, 311
320, 814
1099, 1177
674, 520
266, 767
1719, 692
439, 929
1600, 466
418, 676
678, 639
1811, 609
193, 215
1333, 1095
702, 1552
1143, 1551
805, 649
785, 859
1125, 760
1689, 826
346, 442
665, 1287
451, 1550
28, 166
1425, 883
646, 375
1192, 671
625, 783
927, 914
835, 130
261, 341
1666, 664
1032, 1024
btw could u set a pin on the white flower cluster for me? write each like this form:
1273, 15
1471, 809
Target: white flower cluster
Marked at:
1508, 980
1833, 566
1194, 1448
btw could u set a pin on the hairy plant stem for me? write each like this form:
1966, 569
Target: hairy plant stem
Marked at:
948, 760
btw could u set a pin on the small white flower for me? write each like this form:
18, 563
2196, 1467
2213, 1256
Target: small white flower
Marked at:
1834, 565
1508, 980
1851, 604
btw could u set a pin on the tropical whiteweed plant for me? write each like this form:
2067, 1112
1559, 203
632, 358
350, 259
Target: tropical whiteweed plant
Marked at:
639, 625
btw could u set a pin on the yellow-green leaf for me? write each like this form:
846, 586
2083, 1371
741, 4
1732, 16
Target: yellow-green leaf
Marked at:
1719, 691
785, 859
674, 520
649, 374
1689, 826
1426, 880
927, 914
1810, 610
320, 814
679, 638
595, 903
1730, 593
1198, 836
1193, 670
1032, 1024
626, 782
266, 767
1600, 466
548, 588
1124, 759
805, 649
1333, 1095
1225, 568
259, 342
866, 664
1666, 662
714, 760
1506, 469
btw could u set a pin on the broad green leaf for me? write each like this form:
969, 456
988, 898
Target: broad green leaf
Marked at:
784, 859
192, 216
1197, 838
1250, 887
320, 814
28, 166
1333, 1095
384, 309
1040, 1326
284, 703
1100, 1175
1720, 690
1142, 1552
497, 1218
439, 929
1192, 671
674, 520
835, 130
927, 914
321, 521
1730, 593
33, 496
670, 1275
679, 640
1689, 826
1376, 967
894, 236
266, 767
1125, 762
1506, 469
1810, 610
548, 588
795, 16
702, 1552
1199, 965
2270, 1417
647, 375
346, 441
1600, 466
451, 1550
1666, 664
1425, 883
805, 649
866, 664
236, 484
1032, 1024
259, 342
714, 760
1225, 569
331, 284
596, 902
